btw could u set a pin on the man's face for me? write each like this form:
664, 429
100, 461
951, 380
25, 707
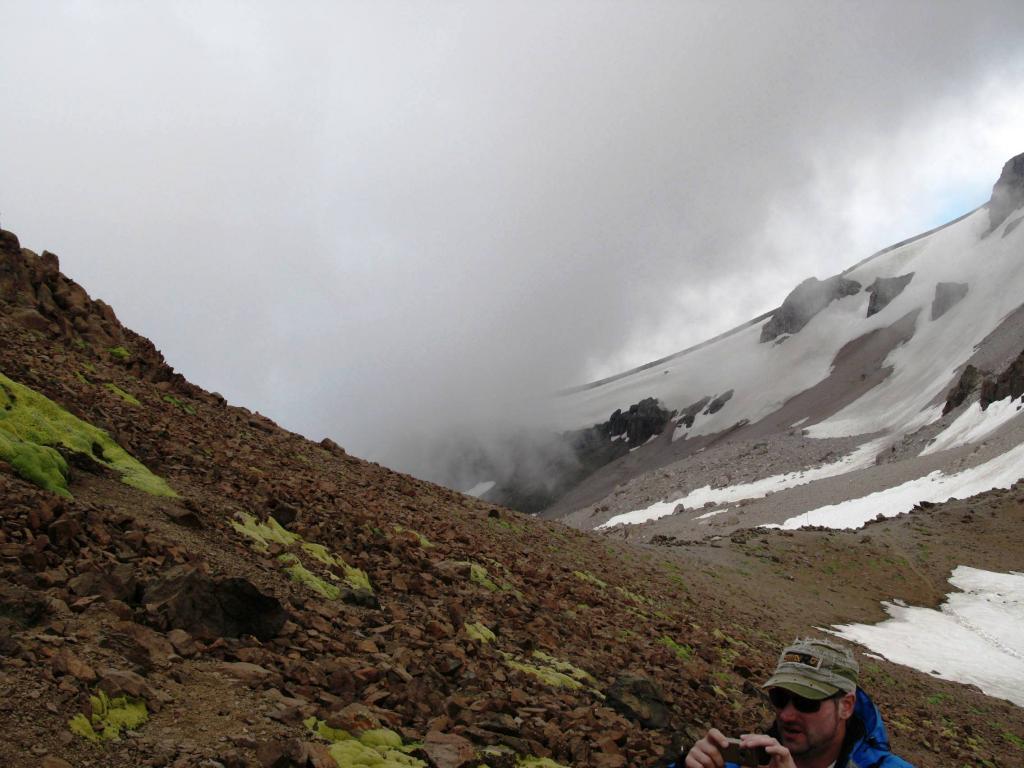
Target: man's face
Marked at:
808, 733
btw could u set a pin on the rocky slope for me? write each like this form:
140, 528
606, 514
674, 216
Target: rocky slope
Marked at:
184, 583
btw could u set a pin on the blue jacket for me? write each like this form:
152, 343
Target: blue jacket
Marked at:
867, 741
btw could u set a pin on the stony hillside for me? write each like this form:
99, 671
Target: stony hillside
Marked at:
184, 583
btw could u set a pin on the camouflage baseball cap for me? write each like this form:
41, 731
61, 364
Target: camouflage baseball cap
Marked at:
815, 669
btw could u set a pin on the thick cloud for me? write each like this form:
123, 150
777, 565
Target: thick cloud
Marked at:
378, 221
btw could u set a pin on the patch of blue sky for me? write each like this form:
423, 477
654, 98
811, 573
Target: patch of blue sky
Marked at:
952, 203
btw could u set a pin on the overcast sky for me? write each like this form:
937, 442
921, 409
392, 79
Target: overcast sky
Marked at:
376, 220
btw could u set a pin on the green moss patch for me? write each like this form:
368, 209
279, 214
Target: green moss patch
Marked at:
478, 631
589, 578
478, 575
126, 396
109, 717
38, 464
32, 425
354, 577
633, 596
180, 404
303, 575
538, 762
119, 352
553, 672
683, 651
375, 748
263, 535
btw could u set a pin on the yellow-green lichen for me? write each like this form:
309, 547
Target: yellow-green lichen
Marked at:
636, 598
109, 717
537, 762
179, 404
303, 575
683, 651
119, 352
354, 577
126, 396
551, 671
32, 425
589, 578
478, 575
478, 631
264, 534
564, 666
375, 748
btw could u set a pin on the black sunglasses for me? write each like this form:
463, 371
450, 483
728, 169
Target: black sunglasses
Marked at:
781, 698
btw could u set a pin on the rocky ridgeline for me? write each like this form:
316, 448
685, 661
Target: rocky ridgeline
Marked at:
291, 605
1007, 193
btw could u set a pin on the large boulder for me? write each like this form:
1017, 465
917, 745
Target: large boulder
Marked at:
209, 608
1008, 192
639, 699
804, 302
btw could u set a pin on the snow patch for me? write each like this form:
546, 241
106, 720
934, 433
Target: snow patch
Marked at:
864, 456
975, 638
973, 425
480, 489
1001, 472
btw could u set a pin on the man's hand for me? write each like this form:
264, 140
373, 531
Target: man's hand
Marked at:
706, 752
779, 754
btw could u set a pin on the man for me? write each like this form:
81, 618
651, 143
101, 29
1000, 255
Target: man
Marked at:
822, 719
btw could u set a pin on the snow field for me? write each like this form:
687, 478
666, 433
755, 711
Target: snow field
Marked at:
1000, 472
975, 637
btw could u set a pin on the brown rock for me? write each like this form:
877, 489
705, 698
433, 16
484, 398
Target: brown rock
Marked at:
207, 608
184, 644
448, 750
354, 718
66, 663
144, 646
120, 682
250, 674
51, 761
318, 756
282, 754
184, 517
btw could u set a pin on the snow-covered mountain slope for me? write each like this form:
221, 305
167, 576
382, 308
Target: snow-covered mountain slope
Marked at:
867, 355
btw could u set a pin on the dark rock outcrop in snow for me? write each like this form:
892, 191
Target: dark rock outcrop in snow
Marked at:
947, 296
640, 423
1009, 383
718, 403
884, 290
1008, 192
804, 302
689, 413
534, 470
994, 387
968, 382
